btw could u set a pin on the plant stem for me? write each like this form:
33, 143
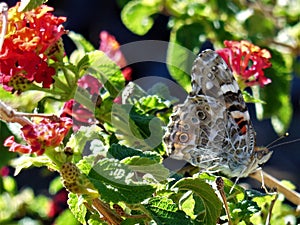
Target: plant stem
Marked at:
110, 216
270, 181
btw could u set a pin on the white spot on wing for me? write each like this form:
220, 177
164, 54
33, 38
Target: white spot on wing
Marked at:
209, 85
229, 87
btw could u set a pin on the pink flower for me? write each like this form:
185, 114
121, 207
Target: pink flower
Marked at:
110, 46
4, 171
45, 133
247, 62
90, 83
80, 115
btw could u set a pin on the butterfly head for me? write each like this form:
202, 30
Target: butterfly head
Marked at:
262, 155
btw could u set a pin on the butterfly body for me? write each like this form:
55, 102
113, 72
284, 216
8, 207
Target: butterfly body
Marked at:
212, 128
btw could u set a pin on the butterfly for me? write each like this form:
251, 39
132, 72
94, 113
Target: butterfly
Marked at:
212, 129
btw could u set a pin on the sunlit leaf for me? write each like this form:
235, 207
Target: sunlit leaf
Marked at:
106, 71
164, 211
116, 182
203, 191
137, 15
81, 43
27, 5
66, 218
77, 207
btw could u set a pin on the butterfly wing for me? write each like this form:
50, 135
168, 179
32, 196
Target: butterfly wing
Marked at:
212, 128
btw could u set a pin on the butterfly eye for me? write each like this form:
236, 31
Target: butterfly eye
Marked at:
183, 138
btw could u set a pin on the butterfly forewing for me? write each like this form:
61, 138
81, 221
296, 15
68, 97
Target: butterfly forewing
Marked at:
212, 128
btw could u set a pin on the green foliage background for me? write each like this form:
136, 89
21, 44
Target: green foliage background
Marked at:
117, 170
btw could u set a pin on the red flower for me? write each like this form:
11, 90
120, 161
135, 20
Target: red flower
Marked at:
46, 133
110, 46
247, 62
28, 45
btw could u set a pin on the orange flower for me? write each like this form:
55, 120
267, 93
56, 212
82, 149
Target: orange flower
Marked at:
30, 36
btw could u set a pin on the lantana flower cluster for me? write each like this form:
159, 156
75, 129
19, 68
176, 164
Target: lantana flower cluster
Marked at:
31, 40
40, 135
247, 62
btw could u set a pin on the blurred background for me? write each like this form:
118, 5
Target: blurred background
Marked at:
91, 17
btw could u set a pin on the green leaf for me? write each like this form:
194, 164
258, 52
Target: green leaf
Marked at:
148, 163
94, 220
150, 168
116, 182
66, 218
106, 71
179, 63
203, 191
86, 163
6, 155
266, 28
27, 5
164, 211
135, 130
243, 210
55, 185
162, 91
136, 15
131, 221
250, 99
77, 207
151, 104
120, 152
132, 93
228, 184
79, 139
26, 161
81, 43
104, 112
278, 105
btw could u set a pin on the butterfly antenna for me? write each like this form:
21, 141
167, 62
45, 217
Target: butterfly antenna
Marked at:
276, 140
269, 146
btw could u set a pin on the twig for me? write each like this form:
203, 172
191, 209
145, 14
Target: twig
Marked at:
9, 115
268, 220
220, 187
110, 216
270, 181
121, 212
